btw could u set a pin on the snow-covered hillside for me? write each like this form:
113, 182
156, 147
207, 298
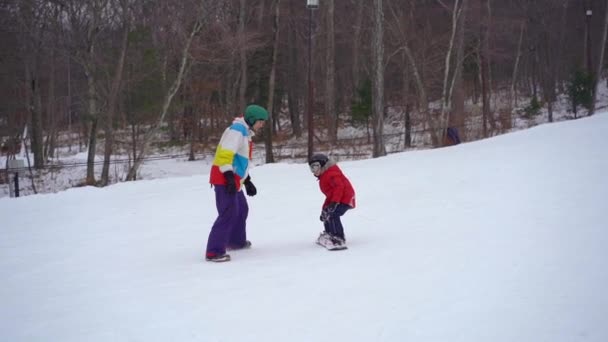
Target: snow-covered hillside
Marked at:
498, 240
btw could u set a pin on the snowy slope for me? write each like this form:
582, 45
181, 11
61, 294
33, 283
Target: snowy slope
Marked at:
498, 240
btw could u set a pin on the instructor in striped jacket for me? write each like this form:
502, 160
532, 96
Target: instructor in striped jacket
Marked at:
229, 173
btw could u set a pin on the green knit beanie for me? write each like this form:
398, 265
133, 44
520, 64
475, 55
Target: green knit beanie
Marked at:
254, 113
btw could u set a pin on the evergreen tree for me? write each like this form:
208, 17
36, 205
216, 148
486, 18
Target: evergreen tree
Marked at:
580, 90
361, 108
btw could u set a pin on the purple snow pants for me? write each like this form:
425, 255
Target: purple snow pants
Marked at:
229, 227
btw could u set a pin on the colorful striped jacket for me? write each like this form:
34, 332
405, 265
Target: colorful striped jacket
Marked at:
233, 154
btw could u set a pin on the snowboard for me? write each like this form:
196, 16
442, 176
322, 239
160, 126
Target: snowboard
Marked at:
330, 246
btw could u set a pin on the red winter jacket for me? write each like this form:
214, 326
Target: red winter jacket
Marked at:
336, 187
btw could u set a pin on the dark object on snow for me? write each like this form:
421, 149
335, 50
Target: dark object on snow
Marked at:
451, 137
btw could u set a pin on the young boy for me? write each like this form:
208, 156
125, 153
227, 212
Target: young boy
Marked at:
339, 197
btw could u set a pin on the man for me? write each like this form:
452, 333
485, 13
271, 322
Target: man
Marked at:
229, 172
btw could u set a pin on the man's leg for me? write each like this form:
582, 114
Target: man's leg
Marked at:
238, 235
227, 210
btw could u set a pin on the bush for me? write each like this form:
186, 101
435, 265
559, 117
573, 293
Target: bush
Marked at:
580, 90
361, 108
533, 109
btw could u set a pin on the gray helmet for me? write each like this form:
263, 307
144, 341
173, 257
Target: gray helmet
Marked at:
319, 158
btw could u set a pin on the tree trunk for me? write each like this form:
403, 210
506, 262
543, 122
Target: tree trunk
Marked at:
112, 100
257, 73
330, 75
405, 79
29, 13
600, 62
488, 59
449, 76
232, 85
262, 10
293, 95
271, 82
548, 76
560, 69
242, 53
50, 110
456, 117
484, 93
423, 102
35, 111
196, 126
134, 137
378, 79
90, 71
516, 66
69, 102
92, 146
588, 29
356, 46
484, 67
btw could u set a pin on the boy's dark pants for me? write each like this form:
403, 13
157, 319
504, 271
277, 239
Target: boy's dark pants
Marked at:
333, 225
230, 226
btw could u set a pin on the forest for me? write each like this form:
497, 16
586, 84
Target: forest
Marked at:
125, 77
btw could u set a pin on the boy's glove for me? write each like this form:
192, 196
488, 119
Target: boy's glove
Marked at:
230, 183
323, 217
249, 187
328, 211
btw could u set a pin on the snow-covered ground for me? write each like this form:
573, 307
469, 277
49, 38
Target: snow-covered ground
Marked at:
497, 240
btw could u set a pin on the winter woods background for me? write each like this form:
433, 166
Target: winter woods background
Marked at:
123, 80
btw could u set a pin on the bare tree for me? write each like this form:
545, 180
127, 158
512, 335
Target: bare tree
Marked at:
378, 79
547, 71
272, 79
330, 73
357, 29
114, 88
293, 93
484, 68
600, 61
242, 52
456, 117
400, 19
512, 98
203, 15
86, 22
451, 65
51, 102
33, 21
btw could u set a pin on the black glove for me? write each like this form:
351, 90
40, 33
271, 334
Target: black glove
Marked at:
230, 183
249, 187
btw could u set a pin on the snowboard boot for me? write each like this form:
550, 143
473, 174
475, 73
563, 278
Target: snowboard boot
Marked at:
247, 245
332, 243
217, 257
323, 239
